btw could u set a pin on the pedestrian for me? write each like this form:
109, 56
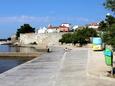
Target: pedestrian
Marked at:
48, 50
66, 49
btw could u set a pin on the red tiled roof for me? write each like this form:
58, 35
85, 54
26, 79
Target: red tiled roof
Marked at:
93, 24
51, 27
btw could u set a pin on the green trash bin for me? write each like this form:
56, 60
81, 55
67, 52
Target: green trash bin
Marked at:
108, 60
108, 57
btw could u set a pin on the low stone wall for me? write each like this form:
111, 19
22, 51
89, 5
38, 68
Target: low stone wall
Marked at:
19, 54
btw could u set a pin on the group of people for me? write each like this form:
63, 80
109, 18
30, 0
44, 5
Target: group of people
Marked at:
49, 49
66, 49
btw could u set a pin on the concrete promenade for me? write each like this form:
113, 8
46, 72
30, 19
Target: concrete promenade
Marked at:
58, 68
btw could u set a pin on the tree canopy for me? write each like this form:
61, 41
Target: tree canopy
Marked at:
26, 28
108, 27
102, 26
81, 36
110, 4
109, 36
105, 24
110, 20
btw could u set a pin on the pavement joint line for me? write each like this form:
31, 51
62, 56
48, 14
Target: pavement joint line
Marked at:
88, 60
61, 66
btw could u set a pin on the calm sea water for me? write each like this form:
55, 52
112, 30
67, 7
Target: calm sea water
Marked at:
7, 63
7, 48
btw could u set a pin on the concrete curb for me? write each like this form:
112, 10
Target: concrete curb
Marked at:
18, 66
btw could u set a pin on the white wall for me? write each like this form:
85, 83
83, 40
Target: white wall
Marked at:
41, 31
67, 25
51, 30
95, 27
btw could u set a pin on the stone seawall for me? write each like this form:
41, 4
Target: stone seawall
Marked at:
40, 39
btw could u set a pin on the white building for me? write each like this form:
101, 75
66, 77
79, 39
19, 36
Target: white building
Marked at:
93, 25
42, 30
66, 24
75, 27
52, 29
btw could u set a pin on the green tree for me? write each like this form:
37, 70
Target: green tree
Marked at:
90, 32
75, 38
109, 36
80, 36
66, 38
110, 20
26, 28
83, 36
108, 28
110, 4
9, 38
102, 26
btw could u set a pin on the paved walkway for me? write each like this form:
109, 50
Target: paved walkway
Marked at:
58, 68
96, 64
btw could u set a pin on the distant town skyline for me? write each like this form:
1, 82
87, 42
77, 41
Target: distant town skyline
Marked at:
14, 13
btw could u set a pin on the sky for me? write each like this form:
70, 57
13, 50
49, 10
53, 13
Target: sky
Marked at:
39, 13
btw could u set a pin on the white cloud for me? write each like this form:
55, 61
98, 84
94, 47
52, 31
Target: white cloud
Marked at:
83, 19
75, 18
39, 19
23, 19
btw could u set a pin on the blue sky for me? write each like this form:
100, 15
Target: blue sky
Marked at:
14, 13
